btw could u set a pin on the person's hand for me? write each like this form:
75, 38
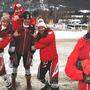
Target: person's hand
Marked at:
86, 78
16, 17
86, 66
33, 48
35, 33
11, 50
16, 33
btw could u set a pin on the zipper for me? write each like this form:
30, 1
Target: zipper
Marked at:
24, 42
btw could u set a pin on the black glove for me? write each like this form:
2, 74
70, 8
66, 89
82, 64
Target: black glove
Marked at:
32, 28
33, 51
86, 78
1, 50
11, 50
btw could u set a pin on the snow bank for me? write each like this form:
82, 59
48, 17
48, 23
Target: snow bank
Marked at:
69, 34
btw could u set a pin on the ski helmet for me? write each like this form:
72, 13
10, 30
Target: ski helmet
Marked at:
17, 6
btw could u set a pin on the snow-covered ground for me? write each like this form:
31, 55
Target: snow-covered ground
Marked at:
64, 48
69, 34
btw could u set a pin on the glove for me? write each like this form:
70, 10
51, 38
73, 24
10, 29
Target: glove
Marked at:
86, 70
86, 66
1, 50
11, 50
33, 51
16, 34
16, 17
86, 78
33, 48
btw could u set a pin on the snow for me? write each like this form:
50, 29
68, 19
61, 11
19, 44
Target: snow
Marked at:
69, 34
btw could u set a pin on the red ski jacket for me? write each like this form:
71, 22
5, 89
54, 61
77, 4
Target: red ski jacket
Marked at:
81, 52
5, 41
47, 47
5, 36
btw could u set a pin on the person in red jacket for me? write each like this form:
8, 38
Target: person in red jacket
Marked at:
17, 22
16, 18
5, 38
45, 41
78, 64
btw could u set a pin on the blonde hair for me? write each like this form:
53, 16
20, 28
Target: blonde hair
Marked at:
6, 14
6, 19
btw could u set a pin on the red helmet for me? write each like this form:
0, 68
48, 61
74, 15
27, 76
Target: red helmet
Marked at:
17, 6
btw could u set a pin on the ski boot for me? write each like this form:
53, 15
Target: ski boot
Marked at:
54, 87
14, 81
47, 86
7, 81
28, 81
9, 86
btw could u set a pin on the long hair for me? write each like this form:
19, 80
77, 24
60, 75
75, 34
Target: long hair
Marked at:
39, 36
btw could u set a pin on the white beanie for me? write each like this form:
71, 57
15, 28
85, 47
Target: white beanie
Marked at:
40, 20
41, 23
